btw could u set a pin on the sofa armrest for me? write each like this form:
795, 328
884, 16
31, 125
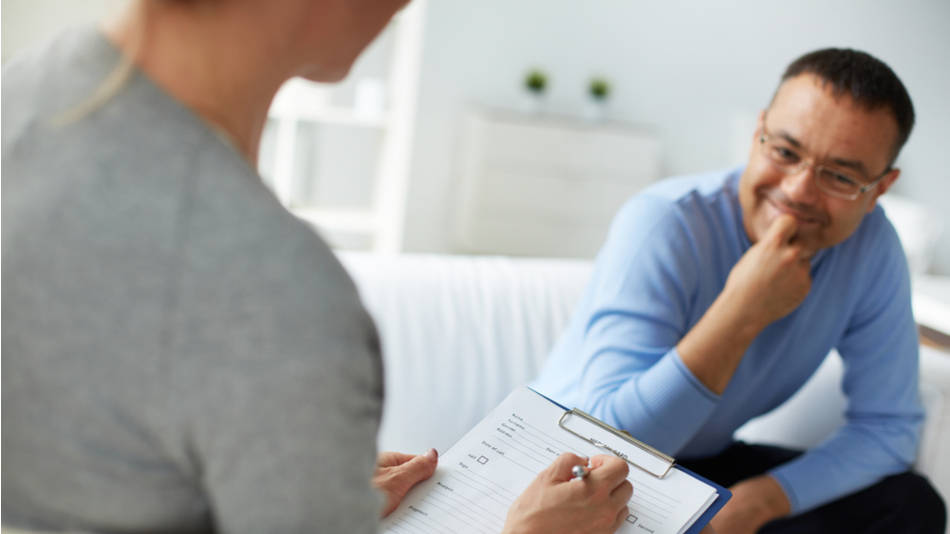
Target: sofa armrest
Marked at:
933, 460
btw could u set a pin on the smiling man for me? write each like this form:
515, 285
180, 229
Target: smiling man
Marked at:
717, 296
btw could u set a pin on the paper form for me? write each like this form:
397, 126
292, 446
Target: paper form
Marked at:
481, 475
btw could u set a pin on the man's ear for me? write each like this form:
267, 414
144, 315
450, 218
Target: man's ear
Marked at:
759, 124
886, 182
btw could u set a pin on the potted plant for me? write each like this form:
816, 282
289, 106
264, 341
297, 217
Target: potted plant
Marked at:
598, 91
536, 81
535, 84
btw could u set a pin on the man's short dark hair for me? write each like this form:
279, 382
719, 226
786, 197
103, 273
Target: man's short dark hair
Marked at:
868, 80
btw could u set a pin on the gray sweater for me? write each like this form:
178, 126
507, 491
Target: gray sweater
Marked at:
180, 354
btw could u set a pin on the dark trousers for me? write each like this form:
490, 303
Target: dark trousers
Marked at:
904, 503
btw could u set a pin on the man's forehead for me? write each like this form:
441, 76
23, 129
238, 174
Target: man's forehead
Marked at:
807, 90
809, 110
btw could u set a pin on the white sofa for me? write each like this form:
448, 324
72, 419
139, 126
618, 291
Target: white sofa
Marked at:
459, 333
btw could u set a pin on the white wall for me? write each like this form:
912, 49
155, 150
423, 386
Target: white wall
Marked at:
27, 21
695, 71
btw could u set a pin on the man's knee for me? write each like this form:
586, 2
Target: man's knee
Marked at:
922, 508
905, 503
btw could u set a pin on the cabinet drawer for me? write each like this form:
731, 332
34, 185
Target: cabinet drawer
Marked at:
546, 187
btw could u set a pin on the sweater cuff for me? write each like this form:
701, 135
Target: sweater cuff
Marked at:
672, 393
779, 474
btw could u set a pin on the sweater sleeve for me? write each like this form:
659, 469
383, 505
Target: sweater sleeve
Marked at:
285, 421
884, 414
640, 296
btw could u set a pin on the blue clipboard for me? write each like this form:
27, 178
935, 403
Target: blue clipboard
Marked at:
665, 463
723, 497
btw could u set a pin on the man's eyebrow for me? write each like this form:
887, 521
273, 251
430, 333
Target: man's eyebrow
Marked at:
851, 164
788, 137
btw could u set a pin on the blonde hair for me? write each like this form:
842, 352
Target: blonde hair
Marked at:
113, 82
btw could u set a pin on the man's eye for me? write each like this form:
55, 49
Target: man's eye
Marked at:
838, 178
842, 179
838, 181
785, 154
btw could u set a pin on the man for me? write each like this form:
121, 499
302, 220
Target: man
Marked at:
716, 296
180, 353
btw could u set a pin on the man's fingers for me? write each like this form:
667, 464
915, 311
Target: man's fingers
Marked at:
806, 254
609, 469
782, 229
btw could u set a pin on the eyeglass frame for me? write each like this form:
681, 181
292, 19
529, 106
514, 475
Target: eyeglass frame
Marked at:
798, 167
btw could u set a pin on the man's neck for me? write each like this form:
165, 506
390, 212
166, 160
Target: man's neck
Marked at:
189, 49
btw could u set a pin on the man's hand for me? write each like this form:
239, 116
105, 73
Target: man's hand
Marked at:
397, 473
754, 503
554, 503
770, 280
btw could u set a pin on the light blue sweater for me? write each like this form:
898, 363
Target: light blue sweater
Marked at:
666, 259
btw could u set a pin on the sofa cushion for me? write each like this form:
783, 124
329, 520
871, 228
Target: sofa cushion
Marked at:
458, 334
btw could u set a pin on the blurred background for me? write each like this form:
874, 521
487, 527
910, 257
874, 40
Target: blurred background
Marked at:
503, 127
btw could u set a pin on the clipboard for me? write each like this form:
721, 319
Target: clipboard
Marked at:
659, 466
483, 473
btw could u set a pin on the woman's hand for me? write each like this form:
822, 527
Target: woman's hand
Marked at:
397, 473
554, 503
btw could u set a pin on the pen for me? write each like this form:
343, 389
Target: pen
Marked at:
579, 472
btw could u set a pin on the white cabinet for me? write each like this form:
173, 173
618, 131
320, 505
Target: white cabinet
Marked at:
337, 155
542, 186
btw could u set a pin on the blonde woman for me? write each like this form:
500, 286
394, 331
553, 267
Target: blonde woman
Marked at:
180, 353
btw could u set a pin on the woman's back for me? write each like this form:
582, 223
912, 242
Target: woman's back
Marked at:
180, 353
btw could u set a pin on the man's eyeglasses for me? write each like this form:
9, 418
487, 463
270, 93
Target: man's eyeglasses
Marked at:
835, 181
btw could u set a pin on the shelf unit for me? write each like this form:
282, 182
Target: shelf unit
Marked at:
373, 135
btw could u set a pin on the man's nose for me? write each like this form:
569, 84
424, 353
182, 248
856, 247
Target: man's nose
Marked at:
799, 186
